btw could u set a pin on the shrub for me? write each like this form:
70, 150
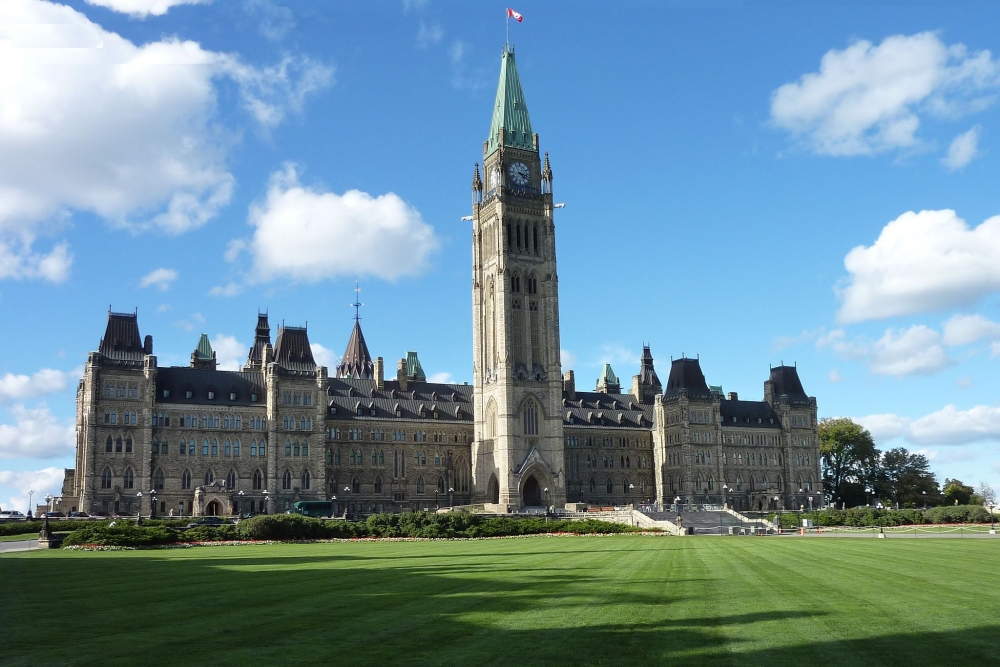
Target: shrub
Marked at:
122, 535
55, 525
208, 534
958, 514
282, 527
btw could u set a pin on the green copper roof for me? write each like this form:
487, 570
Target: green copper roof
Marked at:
608, 376
204, 350
510, 111
413, 368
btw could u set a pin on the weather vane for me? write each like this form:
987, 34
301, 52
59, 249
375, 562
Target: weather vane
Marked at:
357, 302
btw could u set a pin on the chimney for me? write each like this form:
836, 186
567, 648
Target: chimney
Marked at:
147, 345
401, 374
569, 385
637, 387
733, 396
379, 373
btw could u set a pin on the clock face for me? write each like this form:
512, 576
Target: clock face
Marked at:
519, 173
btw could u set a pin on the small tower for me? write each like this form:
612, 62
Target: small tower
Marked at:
203, 356
357, 361
262, 338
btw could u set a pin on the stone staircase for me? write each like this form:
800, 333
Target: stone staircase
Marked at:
718, 522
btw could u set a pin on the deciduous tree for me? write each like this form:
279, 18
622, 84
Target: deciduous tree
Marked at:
848, 453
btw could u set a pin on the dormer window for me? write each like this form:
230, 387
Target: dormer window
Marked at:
211, 395
436, 414
188, 393
232, 396
399, 413
166, 393
253, 398
373, 412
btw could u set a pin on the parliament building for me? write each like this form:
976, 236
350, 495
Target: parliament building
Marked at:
196, 440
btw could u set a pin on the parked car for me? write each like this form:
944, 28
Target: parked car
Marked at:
248, 515
12, 515
98, 515
208, 521
78, 515
52, 515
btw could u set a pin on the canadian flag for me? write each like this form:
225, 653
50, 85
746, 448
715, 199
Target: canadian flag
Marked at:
511, 14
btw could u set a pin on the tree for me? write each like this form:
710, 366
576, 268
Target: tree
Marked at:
956, 493
986, 493
906, 479
848, 454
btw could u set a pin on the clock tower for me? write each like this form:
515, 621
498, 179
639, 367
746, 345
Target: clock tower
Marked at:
517, 453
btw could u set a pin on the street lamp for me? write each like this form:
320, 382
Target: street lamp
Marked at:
725, 495
30, 493
152, 503
925, 500
810, 503
630, 488
239, 501
267, 502
138, 512
451, 491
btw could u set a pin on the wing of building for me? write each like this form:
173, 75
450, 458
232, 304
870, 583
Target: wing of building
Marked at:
199, 440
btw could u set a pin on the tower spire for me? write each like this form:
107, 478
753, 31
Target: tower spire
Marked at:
510, 126
357, 302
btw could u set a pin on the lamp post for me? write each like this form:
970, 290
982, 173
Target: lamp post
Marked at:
152, 503
630, 494
801, 505
810, 503
993, 521
347, 490
267, 502
239, 502
451, 493
48, 503
30, 493
725, 495
925, 500
138, 512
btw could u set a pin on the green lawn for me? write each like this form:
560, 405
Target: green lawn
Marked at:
625, 600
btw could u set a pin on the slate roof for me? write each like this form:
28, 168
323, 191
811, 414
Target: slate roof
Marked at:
745, 414
686, 374
121, 340
617, 410
204, 349
453, 402
180, 379
262, 338
510, 110
786, 383
647, 374
357, 361
292, 350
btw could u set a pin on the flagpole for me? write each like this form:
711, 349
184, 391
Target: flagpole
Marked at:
508, 30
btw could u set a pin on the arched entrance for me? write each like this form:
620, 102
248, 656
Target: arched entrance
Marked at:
493, 490
212, 509
531, 494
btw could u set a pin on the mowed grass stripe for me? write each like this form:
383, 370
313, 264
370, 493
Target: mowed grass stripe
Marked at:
553, 601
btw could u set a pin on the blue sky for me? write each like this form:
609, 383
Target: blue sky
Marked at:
750, 183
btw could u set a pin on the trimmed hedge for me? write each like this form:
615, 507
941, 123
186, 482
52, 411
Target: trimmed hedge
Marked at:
284, 527
868, 517
55, 525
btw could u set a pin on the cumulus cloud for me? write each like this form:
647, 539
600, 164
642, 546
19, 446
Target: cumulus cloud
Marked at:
429, 34
963, 149
613, 353
567, 359
914, 351
324, 356
16, 484
835, 376
966, 329
46, 381
275, 21
35, 434
917, 350
951, 426
921, 262
884, 427
160, 278
443, 378
90, 121
869, 98
306, 234
142, 8
229, 352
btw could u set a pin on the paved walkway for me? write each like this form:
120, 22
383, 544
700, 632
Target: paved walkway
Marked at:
21, 545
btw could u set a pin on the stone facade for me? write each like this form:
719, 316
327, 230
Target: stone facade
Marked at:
280, 430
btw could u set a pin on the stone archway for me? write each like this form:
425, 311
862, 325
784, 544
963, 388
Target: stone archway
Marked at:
531, 493
213, 508
493, 490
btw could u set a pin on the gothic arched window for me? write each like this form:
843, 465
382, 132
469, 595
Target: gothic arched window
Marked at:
186, 479
356, 484
609, 485
231, 480
106, 478
258, 480
128, 479
286, 480
158, 480
377, 486
306, 479
209, 477
529, 418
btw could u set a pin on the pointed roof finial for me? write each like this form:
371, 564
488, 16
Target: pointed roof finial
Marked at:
547, 168
477, 182
357, 302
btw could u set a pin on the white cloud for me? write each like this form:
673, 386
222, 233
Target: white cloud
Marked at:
160, 278
191, 322
567, 359
46, 381
90, 121
868, 99
884, 427
921, 262
964, 382
914, 351
442, 378
306, 234
429, 34
835, 376
227, 290
143, 8
951, 426
324, 356
612, 353
966, 329
276, 20
229, 352
45, 481
35, 434
963, 149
